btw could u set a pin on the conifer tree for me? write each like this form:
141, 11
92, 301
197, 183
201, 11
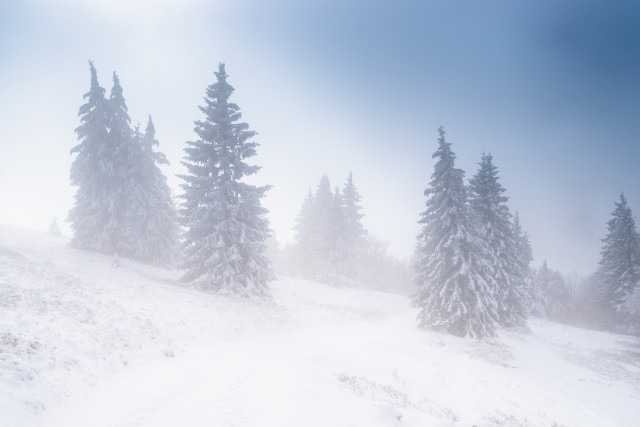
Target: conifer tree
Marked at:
556, 294
149, 227
619, 270
494, 223
533, 299
126, 188
336, 266
226, 228
307, 237
455, 292
92, 171
160, 230
54, 229
354, 233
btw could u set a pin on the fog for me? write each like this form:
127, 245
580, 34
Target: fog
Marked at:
552, 91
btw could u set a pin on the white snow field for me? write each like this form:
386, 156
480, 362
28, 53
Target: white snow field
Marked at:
83, 343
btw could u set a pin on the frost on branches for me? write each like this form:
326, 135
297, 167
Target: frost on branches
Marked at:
455, 290
226, 228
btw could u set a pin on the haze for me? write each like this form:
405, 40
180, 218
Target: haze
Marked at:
550, 89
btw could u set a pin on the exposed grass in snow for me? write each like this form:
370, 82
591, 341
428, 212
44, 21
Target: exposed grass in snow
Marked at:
85, 343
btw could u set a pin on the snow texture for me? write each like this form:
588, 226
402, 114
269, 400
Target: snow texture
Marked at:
83, 343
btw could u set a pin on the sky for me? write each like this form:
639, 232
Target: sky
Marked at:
550, 88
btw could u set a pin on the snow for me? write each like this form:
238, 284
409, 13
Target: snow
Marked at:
85, 343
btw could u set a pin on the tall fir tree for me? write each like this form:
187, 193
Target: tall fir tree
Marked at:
337, 264
533, 298
494, 223
307, 238
619, 269
226, 228
126, 187
354, 242
93, 172
455, 292
556, 294
159, 232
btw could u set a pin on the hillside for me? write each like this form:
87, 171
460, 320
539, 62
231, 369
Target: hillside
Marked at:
85, 343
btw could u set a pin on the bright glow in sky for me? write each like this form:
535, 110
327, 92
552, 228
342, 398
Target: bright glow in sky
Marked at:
550, 89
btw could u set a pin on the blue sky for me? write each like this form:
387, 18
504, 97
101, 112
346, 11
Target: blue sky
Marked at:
551, 89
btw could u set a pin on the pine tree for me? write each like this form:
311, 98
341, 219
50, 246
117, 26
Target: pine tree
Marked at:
149, 226
306, 237
454, 289
160, 229
354, 233
92, 171
556, 294
224, 243
533, 299
54, 229
494, 222
314, 234
619, 270
337, 263
123, 224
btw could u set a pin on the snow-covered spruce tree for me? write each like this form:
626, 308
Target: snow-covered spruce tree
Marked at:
54, 229
354, 242
226, 228
494, 223
93, 172
126, 187
455, 292
619, 270
337, 262
314, 234
150, 218
160, 234
534, 302
306, 236
557, 295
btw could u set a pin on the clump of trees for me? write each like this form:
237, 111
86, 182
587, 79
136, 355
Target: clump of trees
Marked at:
123, 204
472, 261
471, 272
333, 247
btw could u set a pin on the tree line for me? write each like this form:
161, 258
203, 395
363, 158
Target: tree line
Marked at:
471, 270
473, 262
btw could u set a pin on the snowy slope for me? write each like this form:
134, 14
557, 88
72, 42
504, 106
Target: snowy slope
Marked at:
84, 343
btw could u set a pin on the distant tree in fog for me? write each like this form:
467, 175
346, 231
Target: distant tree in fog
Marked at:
354, 232
533, 299
557, 296
619, 271
455, 288
54, 229
152, 229
226, 228
493, 221
330, 235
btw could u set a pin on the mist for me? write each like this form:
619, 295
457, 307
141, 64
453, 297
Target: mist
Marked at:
550, 91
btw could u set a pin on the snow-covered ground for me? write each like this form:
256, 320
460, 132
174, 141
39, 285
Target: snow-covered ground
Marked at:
83, 343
